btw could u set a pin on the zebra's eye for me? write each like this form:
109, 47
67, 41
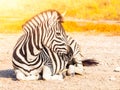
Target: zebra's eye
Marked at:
58, 33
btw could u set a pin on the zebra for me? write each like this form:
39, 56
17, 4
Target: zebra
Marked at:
42, 31
57, 64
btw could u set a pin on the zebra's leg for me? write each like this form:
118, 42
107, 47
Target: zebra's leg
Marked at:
21, 76
79, 68
71, 70
75, 66
47, 74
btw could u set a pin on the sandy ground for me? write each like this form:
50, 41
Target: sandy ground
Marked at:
105, 49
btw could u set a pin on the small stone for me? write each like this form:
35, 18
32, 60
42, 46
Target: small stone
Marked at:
112, 78
117, 69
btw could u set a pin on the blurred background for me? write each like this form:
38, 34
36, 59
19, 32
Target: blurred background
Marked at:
89, 16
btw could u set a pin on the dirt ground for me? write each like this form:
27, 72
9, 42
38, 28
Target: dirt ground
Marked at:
105, 49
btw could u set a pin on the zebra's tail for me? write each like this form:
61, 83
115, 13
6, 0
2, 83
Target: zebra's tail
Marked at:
90, 62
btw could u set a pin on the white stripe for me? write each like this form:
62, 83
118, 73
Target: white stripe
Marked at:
32, 25
37, 19
58, 63
29, 56
41, 17
49, 15
45, 16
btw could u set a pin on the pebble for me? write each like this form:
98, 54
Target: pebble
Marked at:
112, 78
117, 69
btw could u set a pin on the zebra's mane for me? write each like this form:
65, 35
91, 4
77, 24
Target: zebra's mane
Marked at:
49, 16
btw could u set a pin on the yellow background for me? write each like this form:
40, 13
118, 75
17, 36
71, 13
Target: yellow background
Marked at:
14, 13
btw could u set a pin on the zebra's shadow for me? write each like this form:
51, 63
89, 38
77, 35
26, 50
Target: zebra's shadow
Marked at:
9, 73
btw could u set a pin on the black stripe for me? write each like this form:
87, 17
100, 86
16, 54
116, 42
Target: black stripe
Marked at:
16, 66
54, 58
60, 60
72, 42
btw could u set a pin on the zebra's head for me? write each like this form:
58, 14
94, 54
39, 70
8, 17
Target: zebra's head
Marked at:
46, 29
68, 56
56, 33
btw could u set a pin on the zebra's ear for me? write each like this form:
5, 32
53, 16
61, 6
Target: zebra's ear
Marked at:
63, 14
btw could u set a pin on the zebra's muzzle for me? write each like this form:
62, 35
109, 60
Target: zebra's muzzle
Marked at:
69, 52
67, 56
65, 50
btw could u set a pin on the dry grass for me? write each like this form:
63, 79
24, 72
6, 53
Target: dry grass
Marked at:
14, 13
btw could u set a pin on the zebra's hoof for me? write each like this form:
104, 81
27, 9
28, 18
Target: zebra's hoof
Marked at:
71, 70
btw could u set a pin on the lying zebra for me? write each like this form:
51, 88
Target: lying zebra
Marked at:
74, 64
30, 54
45, 49
54, 64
